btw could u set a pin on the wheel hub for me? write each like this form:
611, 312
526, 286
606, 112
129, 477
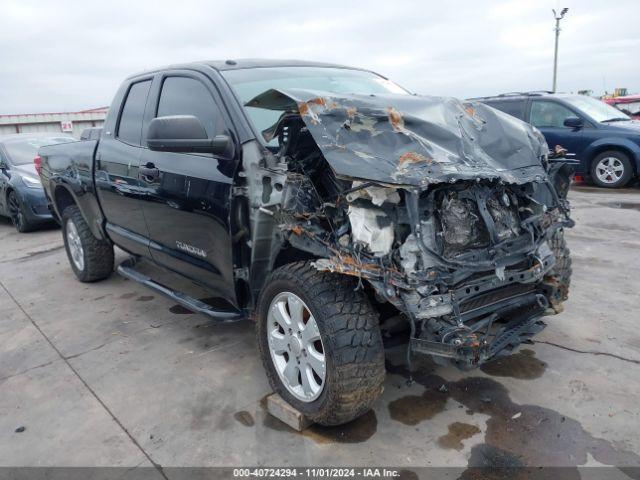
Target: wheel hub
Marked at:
609, 170
295, 346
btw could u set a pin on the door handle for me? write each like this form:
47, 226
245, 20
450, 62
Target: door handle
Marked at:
148, 171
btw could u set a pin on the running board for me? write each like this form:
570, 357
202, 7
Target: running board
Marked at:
126, 269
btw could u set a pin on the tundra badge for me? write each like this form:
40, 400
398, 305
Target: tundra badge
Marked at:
185, 247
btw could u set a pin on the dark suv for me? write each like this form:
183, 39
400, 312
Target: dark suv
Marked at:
606, 141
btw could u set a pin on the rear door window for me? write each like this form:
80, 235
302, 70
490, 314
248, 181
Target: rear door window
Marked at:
549, 114
130, 126
188, 96
514, 108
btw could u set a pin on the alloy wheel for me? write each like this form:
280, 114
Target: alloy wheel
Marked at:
75, 245
609, 170
296, 348
15, 210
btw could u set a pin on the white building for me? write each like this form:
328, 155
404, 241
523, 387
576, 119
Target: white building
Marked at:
68, 122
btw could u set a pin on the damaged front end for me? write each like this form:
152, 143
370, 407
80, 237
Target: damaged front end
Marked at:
451, 215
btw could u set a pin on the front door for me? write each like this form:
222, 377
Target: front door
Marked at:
549, 116
116, 176
187, 211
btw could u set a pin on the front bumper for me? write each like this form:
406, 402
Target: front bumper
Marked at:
494, 314
35, 205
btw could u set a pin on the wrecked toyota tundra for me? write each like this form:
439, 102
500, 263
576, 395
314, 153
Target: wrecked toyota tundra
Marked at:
329, 205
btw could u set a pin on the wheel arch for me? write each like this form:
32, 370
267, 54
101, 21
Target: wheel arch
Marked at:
63, 197
623, 147
283, 254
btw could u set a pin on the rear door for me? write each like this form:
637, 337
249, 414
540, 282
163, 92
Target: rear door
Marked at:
119, 189
187, 210
549, 116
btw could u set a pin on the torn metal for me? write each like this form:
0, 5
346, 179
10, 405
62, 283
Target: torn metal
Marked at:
449, 214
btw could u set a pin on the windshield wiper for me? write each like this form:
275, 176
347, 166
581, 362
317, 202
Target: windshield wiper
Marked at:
616, 119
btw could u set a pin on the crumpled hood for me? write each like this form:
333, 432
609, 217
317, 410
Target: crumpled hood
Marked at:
412, 140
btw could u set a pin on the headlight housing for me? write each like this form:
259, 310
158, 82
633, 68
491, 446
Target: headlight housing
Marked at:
31, 182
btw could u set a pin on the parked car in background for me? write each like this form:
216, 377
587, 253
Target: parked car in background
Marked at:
92, 133
629, 104
21, 195
604, 139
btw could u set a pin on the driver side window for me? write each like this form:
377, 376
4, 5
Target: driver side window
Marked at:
549, 114
187, 96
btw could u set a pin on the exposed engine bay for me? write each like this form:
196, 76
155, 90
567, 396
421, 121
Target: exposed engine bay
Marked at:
462, 252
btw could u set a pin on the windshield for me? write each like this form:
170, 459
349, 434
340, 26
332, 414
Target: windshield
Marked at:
596, 109
250, 82
23, 150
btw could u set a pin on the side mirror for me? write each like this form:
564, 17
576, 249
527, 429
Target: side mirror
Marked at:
184, 133
573, 122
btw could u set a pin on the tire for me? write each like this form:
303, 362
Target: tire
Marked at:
561, 271
17, 213
350, 335
620, 170
96, 255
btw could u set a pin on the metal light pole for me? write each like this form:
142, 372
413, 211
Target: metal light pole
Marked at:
555, 52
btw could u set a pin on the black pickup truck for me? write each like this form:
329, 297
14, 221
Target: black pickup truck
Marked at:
329, 205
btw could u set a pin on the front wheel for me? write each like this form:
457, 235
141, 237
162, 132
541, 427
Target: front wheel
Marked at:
91, 258
320, 343
611, 169
16, 211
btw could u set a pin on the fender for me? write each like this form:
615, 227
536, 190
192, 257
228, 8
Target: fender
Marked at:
628, 146
86, 201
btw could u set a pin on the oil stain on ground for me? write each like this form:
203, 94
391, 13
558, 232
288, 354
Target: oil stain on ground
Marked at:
522, 365
458, 432
623, 205
245, 418
357, 431
524, 434
180, 310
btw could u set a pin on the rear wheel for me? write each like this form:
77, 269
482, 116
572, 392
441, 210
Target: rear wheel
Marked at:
91, 258
16, 211
611, 169
320, 343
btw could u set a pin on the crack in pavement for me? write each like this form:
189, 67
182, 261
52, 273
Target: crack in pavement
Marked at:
590, 352
2, 379
86, 385
32, 254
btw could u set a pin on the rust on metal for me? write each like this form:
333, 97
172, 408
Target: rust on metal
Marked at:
395, 119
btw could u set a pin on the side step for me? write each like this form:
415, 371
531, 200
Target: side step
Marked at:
126, 269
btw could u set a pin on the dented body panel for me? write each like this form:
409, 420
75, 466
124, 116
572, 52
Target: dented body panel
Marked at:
450, 212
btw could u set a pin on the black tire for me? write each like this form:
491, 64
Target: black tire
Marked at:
17, 213
98, 254
350, 335
561, 271
623, 160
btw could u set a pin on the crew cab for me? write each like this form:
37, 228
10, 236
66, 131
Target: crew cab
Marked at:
330, 206
606, 140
